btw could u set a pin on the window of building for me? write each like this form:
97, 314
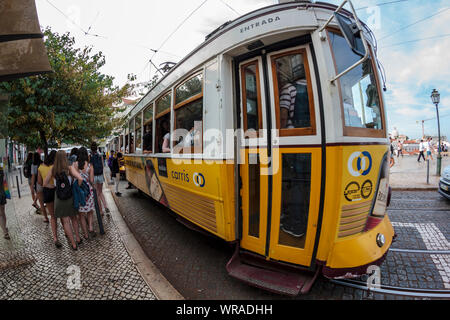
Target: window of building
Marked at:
359, 89
188, 134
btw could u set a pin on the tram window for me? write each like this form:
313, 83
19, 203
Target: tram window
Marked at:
138, 134
296, 188
163, 134
189, 89
189, 128
293, 94
148, 138
359, 88
131, 134
162, 144
251, 97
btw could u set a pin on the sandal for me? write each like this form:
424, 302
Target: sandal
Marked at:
7, 237
58, 244
36, 206
46, 221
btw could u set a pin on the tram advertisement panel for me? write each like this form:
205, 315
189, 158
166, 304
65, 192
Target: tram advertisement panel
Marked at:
196, 191
361, 168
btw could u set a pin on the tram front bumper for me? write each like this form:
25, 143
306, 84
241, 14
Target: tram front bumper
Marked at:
351, 257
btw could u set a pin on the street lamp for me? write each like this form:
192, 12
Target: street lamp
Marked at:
435, 97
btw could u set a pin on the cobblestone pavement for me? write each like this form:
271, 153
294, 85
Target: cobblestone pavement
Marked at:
195, 263
31, 267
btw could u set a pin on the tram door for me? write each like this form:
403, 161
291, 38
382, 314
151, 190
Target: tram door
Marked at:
280, 156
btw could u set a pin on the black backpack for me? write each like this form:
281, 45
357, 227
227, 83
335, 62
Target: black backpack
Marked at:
98, 166
27, 170
63, 187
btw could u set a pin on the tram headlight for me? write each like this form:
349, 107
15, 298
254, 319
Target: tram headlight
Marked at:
380, 240
382, 197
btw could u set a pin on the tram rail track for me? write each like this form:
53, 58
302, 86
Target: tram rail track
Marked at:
445, 252
385, 289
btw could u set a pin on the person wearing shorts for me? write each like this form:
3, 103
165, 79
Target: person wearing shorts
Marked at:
2, 206
97, 165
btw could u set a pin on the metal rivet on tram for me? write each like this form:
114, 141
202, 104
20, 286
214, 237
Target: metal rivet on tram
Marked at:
380, 240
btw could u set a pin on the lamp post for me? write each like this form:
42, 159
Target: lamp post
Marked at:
435, 97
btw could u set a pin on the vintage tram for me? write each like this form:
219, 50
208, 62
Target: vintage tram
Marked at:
272, 135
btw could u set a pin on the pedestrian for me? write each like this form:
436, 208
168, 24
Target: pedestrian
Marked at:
3, 204
391, 161
115, 172
399, 149
73, 156
27, 174
421, 150
428, 146
39, 189
97, 164
110, 160
49, 192
64, 175
83, 167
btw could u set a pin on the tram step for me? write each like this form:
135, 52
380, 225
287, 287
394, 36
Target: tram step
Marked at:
265, 276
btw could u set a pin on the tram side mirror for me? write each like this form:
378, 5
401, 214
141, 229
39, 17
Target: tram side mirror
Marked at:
351, 33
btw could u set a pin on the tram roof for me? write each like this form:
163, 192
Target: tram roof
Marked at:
143, 102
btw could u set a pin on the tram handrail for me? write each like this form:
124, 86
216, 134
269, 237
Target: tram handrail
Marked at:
363, 39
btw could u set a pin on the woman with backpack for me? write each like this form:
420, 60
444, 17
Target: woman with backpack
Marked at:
27, 174
83, 167
64, 175
97, 164
48, 193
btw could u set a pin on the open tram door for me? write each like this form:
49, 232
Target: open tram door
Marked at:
280, 164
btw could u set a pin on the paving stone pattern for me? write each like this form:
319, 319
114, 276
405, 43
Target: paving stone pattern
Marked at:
31, 267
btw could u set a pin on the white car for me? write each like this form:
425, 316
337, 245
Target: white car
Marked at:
444, 183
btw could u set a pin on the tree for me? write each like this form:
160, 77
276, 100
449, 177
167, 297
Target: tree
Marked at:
74, 104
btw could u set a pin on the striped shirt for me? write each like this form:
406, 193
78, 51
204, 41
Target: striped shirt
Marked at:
287, 100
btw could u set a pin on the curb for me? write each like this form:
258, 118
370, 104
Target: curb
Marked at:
159, 285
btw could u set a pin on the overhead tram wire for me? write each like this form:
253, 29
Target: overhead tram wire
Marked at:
414, 23
416, 40
230, 7
381, 4
173, 32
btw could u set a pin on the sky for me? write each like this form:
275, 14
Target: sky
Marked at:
127, 32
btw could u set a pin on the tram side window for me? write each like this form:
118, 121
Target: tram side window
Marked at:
131, 135
162, 144
359, 89
148, 130
292, 86
138, 134
251, 98
188, 136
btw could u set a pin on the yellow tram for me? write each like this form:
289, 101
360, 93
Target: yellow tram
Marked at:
272, 135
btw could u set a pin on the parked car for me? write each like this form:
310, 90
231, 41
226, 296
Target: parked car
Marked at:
444, 183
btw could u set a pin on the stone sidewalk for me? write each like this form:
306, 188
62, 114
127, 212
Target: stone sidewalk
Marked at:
31, 267
408, 174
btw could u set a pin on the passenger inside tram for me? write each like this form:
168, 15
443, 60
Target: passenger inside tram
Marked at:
165, 133
293, 88
147, 139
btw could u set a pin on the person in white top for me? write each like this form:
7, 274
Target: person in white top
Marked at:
421, 150
428, 146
